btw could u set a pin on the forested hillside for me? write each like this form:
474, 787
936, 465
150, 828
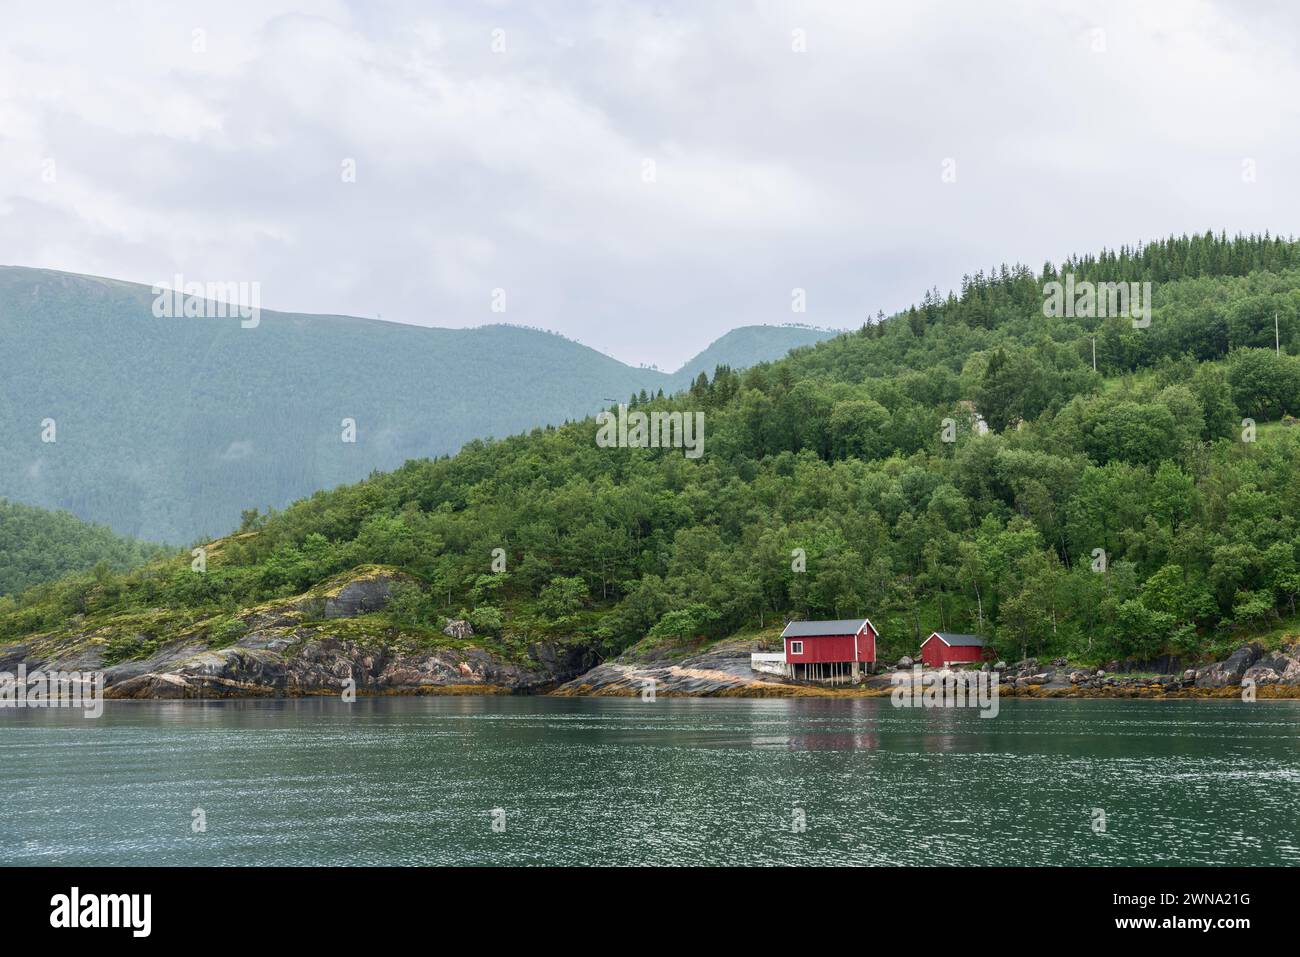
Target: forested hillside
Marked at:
1122, 512
167, 428
39, 546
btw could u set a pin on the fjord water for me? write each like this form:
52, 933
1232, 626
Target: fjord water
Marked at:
674, 781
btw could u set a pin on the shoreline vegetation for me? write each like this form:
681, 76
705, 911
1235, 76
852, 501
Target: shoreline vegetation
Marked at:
1092, 491
338, 638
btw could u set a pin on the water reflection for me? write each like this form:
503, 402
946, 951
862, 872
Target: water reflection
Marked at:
622, 781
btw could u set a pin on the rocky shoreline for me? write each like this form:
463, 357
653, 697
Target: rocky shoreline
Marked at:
317, 644
322, 644
723, 671
1274, 674
295, 662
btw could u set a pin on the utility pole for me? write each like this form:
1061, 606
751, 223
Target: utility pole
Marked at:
1277, 340
1094, 353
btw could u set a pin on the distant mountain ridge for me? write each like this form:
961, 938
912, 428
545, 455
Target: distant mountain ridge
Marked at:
746, 346
167, 428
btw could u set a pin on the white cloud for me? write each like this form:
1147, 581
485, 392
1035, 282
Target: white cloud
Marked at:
523, 169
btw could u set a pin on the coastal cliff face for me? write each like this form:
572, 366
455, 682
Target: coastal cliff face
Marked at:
312, 665
321, 643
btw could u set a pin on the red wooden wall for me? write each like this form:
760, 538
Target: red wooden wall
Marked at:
934, 653
819, 649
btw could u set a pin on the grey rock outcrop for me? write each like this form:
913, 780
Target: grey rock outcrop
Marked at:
360, 597
458, 628
326, 665
1280, 667
1229, 672
287, 650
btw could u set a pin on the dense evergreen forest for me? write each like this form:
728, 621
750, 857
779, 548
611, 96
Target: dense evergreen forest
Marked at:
39, 546
1125, 511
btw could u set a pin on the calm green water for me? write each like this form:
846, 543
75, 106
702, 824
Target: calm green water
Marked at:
676, 781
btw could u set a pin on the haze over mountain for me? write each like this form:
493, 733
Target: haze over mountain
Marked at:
167, 428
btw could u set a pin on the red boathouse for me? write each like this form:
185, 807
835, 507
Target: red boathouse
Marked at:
829, 650
944, 648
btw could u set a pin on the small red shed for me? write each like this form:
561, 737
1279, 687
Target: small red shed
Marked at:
944, 648
832, 650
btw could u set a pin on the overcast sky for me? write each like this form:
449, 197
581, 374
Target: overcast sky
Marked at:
133, 146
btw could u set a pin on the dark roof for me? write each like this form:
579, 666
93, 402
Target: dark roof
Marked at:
812, 629
959, 641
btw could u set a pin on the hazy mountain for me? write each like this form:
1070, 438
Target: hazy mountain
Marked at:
744, 347
166, 428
